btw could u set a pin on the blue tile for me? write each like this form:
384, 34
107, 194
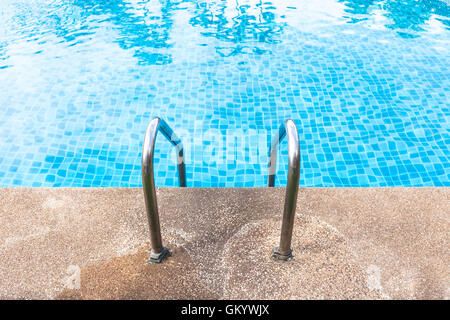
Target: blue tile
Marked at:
369, 96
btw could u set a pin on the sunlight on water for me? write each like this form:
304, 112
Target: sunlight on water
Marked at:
366, 81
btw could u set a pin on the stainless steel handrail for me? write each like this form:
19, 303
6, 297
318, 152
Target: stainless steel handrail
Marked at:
158, 251
288, 127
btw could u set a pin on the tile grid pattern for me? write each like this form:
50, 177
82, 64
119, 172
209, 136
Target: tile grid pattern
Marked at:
372, 107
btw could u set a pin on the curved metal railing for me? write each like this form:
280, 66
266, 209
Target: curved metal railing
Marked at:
158, 251
288, 127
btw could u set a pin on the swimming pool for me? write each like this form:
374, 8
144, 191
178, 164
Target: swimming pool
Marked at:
366, 82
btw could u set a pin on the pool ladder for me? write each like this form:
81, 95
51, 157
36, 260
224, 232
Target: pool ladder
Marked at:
158, 251
288, 128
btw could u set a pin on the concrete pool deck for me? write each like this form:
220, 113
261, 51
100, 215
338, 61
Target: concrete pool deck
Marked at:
349, 243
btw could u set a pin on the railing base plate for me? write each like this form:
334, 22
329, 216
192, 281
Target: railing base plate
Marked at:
276, 255
159, 257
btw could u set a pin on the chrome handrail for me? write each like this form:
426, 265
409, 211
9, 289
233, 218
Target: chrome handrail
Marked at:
158, 251
288, 127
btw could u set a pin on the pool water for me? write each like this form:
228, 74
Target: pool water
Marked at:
366, 82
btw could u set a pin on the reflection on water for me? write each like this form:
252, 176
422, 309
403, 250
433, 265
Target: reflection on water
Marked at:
254, 25
140, 28
413, 15
146, 27
407, 17
81, 79
358, 10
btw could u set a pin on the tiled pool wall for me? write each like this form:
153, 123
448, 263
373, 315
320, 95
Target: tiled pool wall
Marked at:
368, 91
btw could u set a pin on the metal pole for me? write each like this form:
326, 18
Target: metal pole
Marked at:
158, 251
288, 128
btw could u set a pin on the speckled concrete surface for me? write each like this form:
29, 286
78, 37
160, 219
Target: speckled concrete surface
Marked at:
349, 243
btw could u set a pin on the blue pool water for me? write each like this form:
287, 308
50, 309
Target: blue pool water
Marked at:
366, 81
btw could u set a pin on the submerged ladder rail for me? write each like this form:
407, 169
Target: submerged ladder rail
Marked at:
158, 251
289, 129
